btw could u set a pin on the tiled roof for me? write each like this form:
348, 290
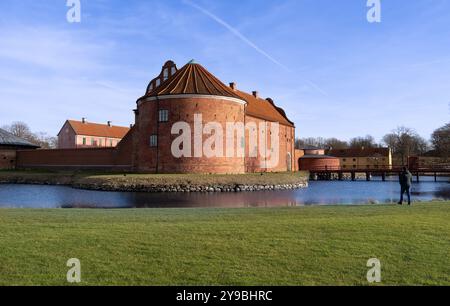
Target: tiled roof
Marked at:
311, 156
361, 152
309, 148
98, 130
8, 139
193, 79
263, 109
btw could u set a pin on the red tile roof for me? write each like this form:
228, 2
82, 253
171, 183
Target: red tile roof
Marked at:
98, 130
193, 79
263, 109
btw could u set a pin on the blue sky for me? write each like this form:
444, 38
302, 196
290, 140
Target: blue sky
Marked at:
334, 73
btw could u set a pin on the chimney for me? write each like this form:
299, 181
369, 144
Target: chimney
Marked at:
255, 94
83, 120
109, 123
233, 86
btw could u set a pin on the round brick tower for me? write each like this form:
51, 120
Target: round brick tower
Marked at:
178, 124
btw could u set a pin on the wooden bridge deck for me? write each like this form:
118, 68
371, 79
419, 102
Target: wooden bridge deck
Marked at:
383, 172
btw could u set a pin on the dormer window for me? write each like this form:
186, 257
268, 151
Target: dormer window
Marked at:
173, 70
151, 87
158, 82
166, 74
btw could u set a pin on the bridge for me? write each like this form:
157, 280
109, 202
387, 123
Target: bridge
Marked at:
383, 171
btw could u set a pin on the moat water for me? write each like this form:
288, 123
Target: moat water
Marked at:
318, 193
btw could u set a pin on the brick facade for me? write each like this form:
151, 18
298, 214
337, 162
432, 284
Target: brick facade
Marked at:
190, 92
7, 158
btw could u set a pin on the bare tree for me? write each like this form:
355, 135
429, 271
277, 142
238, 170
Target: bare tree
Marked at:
405, 142
321, 143
366, 142
440, 140
336, 143
19, 129
22, 130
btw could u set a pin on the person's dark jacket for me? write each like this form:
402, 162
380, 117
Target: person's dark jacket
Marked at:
406, 179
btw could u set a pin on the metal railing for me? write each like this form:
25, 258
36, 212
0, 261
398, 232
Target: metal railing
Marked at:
380, 169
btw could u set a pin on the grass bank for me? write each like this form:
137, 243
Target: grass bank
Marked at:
283, 246
152, 182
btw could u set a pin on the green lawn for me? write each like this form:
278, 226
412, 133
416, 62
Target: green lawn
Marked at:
287, 246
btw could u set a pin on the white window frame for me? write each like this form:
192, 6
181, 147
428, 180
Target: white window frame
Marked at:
163, 115
153, 141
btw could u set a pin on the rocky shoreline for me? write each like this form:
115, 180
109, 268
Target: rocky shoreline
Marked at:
148, 186
190, 188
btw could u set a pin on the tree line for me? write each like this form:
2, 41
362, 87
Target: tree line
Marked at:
22, 130
403, 141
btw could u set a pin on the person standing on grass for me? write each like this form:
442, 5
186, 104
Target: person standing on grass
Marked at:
405, 179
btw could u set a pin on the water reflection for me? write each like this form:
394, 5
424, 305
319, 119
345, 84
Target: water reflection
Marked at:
319, 193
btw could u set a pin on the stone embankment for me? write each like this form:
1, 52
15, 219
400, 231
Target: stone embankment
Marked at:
161, 183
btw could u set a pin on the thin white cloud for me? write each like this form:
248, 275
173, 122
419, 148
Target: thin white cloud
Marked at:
242, 37
236, 33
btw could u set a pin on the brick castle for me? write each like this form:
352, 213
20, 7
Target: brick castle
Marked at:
180, 97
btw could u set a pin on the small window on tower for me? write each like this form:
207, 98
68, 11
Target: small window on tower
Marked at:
173, 70
163, 115
166, 74
154, 141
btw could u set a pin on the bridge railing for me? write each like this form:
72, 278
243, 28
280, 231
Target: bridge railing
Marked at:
381, 168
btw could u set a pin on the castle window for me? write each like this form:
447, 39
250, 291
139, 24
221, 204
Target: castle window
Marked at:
166, 74
154, 141
163, 115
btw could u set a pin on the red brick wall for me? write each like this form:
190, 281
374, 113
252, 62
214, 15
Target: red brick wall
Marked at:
72, 158
298, 155
134, 151
222, 111
7, 158
67, 137
183, 109
311, 164
286, 145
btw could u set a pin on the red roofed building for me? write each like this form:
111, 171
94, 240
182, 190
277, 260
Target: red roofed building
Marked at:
193, 90
83, 134
261, 139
